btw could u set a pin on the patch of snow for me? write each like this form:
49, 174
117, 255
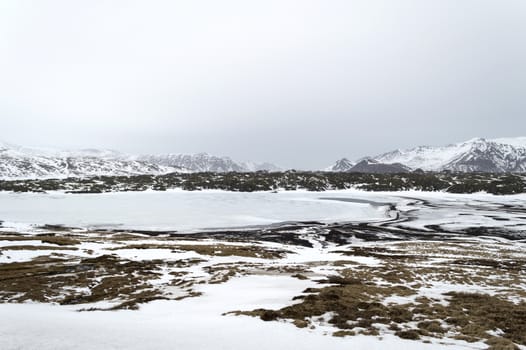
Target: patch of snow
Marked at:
193, 323
179, 210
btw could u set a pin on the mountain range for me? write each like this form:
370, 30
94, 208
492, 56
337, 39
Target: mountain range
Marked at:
205, 162
475, 155
20, 162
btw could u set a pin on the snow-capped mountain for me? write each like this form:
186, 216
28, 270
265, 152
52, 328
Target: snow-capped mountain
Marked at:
202, 162
343, 164
21, 162
475, 155
498, 155
194, 162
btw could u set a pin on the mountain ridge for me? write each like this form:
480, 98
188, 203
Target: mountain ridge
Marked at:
17, 162
474, 155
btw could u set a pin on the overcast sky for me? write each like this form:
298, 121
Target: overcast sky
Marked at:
298, 83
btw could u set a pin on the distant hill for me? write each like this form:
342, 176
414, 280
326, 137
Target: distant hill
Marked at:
372, 166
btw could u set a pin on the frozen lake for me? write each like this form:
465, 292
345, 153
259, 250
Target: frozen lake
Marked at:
184, 210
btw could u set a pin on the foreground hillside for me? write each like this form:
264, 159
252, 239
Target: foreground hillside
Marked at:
291, 180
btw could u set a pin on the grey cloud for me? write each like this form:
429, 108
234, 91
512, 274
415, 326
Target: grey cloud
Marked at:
298, 83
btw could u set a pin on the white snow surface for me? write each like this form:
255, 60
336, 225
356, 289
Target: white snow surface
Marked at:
187, 211
198, 323
194, 323
181, 210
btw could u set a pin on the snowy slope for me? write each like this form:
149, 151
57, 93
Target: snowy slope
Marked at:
18, 162
202, 162
482, 155
195, 162
21, 162
343, 164
498, 155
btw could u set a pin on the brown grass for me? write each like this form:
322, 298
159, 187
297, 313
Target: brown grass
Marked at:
46, 279
357, 306
250, 251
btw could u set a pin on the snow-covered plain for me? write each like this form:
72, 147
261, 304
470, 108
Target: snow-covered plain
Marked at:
199, 322
178, 210
181, 210
194, 323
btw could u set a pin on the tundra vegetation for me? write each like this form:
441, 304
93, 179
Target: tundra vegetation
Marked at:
499, 183
455, 289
